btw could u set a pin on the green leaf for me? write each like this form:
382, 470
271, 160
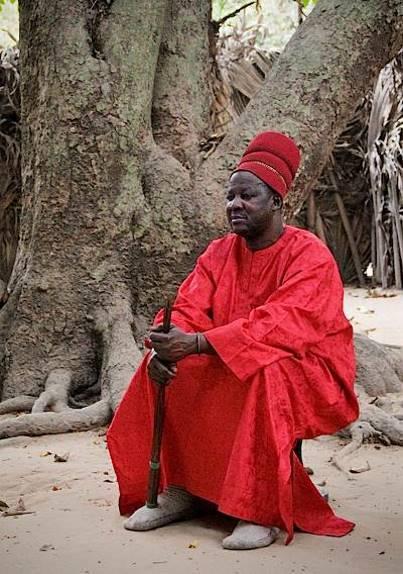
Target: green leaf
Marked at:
306, 3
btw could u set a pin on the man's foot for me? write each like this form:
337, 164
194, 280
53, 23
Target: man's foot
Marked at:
173, 504
247, 536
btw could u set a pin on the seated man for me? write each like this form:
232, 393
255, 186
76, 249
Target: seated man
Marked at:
260, 355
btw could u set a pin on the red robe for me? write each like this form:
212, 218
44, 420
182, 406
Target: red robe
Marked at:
284, 370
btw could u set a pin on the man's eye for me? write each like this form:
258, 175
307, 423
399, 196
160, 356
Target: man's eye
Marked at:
246, 196
229, 197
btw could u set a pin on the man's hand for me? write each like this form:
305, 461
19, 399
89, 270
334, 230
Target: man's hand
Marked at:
174, 345
159, 372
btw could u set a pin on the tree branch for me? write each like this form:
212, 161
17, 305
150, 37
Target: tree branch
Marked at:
222, 20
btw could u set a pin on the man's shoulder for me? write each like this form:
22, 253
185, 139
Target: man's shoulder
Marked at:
302, 242
303, 237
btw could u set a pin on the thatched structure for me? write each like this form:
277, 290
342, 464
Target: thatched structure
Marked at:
10, 171
385, 157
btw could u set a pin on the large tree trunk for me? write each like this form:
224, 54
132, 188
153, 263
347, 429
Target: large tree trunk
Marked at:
85, 103
116, 198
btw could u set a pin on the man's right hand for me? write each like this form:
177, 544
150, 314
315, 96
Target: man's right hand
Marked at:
161, 372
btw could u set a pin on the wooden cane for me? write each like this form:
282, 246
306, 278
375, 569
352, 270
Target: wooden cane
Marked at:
154, 473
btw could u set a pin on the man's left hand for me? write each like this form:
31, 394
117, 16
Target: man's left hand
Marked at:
174, 345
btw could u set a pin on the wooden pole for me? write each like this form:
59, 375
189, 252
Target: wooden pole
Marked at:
159, 415
319, 226
397, 226
311, 212
396, 257
350, 237
349, 232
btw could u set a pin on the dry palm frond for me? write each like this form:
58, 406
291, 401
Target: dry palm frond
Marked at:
238, 70
10, 171
242, 65
385, 157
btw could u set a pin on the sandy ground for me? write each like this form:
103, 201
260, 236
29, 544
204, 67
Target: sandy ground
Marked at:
75, 528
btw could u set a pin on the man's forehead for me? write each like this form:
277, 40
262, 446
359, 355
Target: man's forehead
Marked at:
244, 179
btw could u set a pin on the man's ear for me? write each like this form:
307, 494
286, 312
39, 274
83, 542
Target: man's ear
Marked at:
277, 202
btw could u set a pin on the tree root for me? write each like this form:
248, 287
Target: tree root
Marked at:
61, 419
379, 386
23, 403
359, 431
54, 397
71, 420
379, 368
84, 396
374, 425
384, 423
120, 353
56, 392
50, 413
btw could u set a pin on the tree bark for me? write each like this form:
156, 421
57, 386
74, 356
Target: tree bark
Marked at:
116, 199
182, 90
81, 170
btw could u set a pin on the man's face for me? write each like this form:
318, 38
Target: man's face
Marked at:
249, 205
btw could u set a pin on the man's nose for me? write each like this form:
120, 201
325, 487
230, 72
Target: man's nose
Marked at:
235, 203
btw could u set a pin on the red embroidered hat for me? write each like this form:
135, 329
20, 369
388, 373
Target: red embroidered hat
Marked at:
274, 158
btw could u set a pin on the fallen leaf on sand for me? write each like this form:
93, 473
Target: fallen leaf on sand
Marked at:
308, 470
18, 510
193, 544
359, 469
3, 505
109, 480
365, 310
54, 488
375, 293
100, 502
46, 453
46, 547
61, 458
